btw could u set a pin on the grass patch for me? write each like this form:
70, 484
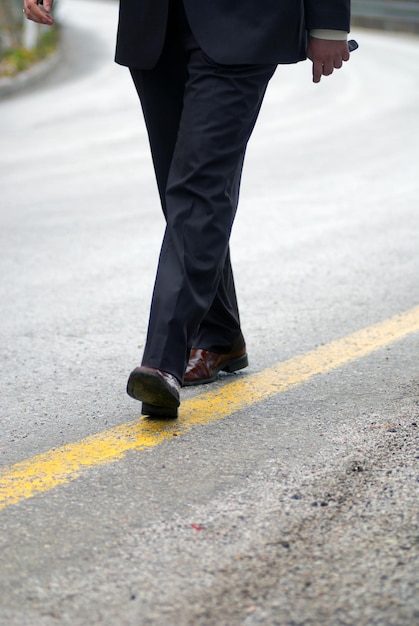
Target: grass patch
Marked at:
14, 61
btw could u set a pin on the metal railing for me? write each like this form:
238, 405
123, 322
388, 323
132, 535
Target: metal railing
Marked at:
396, 15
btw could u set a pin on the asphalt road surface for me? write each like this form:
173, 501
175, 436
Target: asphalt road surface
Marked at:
286, 494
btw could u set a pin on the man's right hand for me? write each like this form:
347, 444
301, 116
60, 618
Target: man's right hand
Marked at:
38, 13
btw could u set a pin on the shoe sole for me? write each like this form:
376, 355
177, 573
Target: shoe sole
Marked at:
230, 367
150, 389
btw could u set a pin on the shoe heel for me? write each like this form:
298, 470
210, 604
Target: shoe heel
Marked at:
236, 364
158, 411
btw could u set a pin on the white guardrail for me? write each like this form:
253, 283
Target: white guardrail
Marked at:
386, 14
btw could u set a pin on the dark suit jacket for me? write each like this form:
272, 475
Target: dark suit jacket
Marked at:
229, 31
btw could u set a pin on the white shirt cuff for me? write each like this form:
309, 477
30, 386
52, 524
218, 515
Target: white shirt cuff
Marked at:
325, 33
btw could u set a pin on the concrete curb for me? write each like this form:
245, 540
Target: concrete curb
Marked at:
13, 84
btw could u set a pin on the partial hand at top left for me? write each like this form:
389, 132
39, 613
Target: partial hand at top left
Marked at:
39, 12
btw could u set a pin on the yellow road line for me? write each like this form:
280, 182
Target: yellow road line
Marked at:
62, 465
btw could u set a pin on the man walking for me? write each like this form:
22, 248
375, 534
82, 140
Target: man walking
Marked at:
201, 69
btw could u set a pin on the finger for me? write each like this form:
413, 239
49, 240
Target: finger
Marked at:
317, 71
48, 5
327, 68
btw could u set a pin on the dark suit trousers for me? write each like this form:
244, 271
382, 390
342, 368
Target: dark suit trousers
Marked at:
199, 116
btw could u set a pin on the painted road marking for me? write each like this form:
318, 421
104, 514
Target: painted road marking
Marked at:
62, 465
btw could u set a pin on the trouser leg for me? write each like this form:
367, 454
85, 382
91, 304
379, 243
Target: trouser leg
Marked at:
161, 93
220, 330
220, 107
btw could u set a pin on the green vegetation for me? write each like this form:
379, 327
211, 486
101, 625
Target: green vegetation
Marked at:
19, 59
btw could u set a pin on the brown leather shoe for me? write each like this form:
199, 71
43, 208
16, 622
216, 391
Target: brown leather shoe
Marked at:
204, 366
158, 391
